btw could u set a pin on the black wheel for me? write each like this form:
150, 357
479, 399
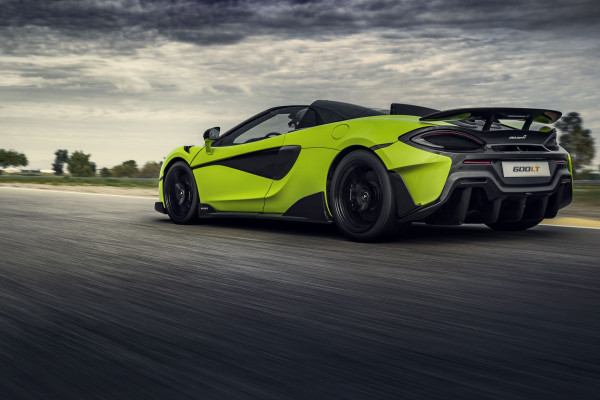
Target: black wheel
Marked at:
361, 197
181, 194
514, 226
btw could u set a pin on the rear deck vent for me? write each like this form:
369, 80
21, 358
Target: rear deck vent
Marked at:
518, 148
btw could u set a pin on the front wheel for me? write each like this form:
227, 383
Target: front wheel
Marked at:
362, 199
181, 194
514, 226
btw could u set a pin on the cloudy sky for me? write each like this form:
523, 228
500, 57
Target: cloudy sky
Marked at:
131, 79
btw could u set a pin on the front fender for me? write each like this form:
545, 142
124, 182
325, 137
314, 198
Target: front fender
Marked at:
185, 153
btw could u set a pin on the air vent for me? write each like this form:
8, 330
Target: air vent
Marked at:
449, 140
518, 148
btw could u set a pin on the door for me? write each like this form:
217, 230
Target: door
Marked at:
238, 174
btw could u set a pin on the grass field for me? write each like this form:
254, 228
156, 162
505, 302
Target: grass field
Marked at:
584, 195
588, 195
71, 181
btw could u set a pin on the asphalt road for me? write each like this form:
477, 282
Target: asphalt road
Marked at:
103, 298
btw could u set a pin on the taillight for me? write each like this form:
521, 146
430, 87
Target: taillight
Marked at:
449, 140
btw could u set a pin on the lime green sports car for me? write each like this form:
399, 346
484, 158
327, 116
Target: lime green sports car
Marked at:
370, 171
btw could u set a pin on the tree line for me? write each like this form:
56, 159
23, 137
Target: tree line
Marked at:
577, 140
79, 164
10, 158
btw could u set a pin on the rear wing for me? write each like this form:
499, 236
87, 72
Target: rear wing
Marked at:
491, 115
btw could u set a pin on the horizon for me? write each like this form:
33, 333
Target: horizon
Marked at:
124, 80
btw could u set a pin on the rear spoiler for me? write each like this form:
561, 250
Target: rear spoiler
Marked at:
491, 115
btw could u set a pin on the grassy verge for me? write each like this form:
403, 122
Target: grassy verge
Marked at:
588, 195
584, 195
72, 181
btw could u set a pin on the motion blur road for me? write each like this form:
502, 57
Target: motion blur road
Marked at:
103, 298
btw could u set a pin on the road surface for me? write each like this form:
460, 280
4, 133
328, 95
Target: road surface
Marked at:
103, 298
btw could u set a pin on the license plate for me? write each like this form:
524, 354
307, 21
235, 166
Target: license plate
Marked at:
524, 169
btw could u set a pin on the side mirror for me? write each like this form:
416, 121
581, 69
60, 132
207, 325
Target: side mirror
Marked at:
210, 135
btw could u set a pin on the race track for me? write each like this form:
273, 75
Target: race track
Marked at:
103, 298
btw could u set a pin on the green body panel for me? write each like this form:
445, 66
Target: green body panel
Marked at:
570, 171
319, 136
308, 176
365, 132
320, 146
372, 131
231, 189
424, 173
221, 153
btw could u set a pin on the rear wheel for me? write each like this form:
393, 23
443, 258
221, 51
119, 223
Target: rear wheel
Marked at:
362, 200
514, 226
181, 194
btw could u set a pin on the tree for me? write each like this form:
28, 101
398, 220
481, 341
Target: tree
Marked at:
150, 170
127, 169
10, 158
576, 140
79, 164
105, 173
61, 157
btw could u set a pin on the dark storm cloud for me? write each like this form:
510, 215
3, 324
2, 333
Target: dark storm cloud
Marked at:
225, 22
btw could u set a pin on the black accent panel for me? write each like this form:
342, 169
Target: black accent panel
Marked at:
206, 209
512, 209
271, 163
499, 141
328, 111
158, 206
285, 160
409, 109
380, 146
404, 199
311, 207
492, 114
535, 208
187, 148
472, 202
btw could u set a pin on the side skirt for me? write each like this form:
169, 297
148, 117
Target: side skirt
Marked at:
309, 209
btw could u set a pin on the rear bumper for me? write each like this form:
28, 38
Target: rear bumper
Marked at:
479, 194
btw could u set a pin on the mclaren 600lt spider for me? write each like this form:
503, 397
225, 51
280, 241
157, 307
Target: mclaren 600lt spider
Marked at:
369, 170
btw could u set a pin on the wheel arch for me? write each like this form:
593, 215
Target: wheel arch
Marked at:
187, 196
170, 163
163, 175
405, 202
334, 165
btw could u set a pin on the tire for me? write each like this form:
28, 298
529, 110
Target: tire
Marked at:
181, 194
362, 199
514, 226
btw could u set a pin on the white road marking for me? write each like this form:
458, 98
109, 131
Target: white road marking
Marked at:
570, 226
151, 198
88, 193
